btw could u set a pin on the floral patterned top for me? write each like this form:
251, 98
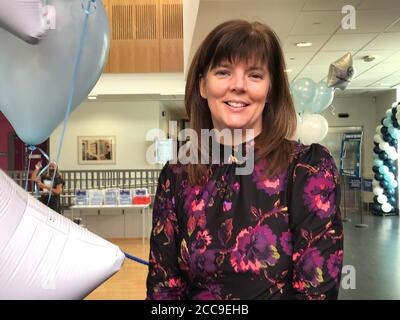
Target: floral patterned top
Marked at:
248, 237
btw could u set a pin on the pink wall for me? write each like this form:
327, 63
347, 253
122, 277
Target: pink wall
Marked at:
5, 129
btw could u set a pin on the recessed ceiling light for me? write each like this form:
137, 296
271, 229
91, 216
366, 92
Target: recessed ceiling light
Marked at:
92, 97
288, 70
303, 44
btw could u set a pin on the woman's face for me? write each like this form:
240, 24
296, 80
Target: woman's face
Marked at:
236, 95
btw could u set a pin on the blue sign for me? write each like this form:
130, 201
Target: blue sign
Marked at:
350, 155
367, 185
354, 183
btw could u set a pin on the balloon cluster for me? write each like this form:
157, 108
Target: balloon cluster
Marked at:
385, 154
310, 98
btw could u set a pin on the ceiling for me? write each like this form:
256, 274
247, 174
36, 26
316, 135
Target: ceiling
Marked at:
376, 33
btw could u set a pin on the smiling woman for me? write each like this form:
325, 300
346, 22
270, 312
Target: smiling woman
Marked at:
271, 233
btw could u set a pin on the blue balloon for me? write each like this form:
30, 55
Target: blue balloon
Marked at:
383, 169
392, 132
387, 122
303, 92
35, 79
323, 97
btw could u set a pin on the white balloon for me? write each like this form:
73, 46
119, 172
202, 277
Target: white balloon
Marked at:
384, 146
393, 155
314, 128
297, 134
375, 183
378, 130
395, 184
389, 112
378, 191
387, 207
44, 255
382, 199
378, 138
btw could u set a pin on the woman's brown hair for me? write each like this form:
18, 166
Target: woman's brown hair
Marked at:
236, 41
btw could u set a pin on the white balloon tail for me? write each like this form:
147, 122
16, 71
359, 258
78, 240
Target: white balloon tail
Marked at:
44, 255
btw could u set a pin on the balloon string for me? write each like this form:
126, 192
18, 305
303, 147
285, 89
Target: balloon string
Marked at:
136, 259
72, 87
32, 148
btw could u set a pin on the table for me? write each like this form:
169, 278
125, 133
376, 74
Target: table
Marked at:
144, 208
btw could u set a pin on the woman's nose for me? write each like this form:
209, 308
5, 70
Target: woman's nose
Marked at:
238, 83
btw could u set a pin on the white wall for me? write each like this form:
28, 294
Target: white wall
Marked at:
383, 102
127, 121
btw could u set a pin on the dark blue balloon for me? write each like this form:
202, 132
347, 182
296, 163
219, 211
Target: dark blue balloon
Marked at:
375, 169
392, 201
383, 155
384, 184
384, 130
396, 124
393, 117
377, 150
388, 162
382, 121
387, 137
379, 176
393, 143
376, 207
390, 192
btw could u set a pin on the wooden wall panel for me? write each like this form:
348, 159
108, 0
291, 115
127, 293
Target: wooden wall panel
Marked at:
146, 36
171, 40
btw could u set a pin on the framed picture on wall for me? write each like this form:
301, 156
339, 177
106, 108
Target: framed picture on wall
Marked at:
96, 150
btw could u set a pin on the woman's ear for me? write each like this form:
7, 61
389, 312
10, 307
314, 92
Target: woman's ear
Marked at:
203, 91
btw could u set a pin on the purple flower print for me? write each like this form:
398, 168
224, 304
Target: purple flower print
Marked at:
203, 264
255, 248
308, 269
198, 198
203, 240
334, 264
319, 194
286, 242
272, 185
227, 206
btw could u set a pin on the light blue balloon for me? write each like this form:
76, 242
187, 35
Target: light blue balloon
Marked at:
35, 79
378, 162
303, 92
387, 122
323, 97
392, 132
383, 169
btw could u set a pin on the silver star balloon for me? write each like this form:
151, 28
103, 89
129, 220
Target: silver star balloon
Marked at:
341, 72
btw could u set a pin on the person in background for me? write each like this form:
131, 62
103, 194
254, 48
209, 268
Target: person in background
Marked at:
274, 233
44, 184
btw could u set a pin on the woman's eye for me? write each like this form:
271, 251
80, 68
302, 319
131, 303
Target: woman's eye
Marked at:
256, 76
222, 72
